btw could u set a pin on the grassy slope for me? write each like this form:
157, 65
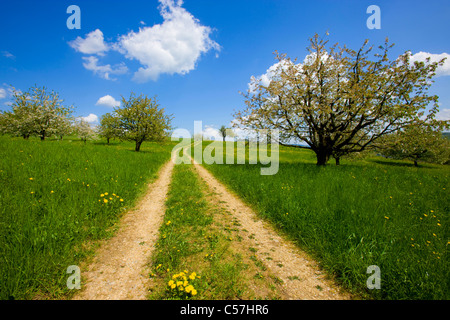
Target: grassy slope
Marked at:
362, 213
51, 208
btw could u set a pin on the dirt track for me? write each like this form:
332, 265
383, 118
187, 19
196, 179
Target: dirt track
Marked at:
119, 269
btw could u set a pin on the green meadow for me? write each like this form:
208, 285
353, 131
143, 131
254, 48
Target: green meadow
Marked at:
57, 198
361, 213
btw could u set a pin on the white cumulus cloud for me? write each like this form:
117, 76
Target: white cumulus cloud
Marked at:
443, 70
443, 114
91, 118
104, 71
172, 47
108, 101
2, 93
93, 43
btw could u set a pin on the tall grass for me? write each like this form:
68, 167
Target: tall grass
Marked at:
362, 213
56, 199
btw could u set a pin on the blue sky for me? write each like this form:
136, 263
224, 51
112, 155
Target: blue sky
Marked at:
195, 55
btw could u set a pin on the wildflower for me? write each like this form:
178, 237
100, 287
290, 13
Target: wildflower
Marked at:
110, 198
194, 292
52, 191
170, 283
173, 286
431, 211
32, 192
106, 193
425, 215
390, 197
168, 222
434, 235
439, 224
386, 217
105, 200
68, 179
192, 276
189, 288
102, 195
185, 283
121, 200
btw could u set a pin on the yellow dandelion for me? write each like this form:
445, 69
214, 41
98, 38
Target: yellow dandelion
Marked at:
386, 217
110, 198
194, 292
189, 288
192, 276
102, 195
170, 283
173, 286
439, 224
32, 192
121, 200
425, 215
185, 283
52, 191
434, 235
105, 200
106, 193
431, 211
68, 179
31, 179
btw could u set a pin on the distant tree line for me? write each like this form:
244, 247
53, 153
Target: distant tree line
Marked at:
40, 112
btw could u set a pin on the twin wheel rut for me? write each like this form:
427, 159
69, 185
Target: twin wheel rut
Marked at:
120, 269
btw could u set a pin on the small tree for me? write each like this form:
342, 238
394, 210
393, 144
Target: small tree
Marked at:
84, 130
140, 119
419, 142
109, 127
223, 132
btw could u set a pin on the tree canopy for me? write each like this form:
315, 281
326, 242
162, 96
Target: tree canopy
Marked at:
339, 101
141, 119
37, 112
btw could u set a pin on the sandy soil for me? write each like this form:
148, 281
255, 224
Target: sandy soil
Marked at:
119, 270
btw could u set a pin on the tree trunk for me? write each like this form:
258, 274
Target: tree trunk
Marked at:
138, 145
107, 140
322, 157
415, 163
338, 161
